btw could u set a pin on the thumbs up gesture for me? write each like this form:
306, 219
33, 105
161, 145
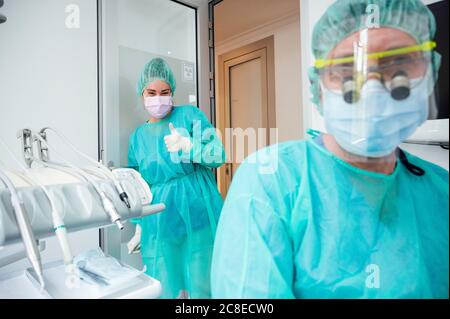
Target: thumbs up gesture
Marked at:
176, 142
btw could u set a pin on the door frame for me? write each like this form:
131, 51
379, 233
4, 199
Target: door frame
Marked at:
108, 241
260, 49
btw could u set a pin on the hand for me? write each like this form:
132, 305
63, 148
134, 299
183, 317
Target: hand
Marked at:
176, 142
134, 245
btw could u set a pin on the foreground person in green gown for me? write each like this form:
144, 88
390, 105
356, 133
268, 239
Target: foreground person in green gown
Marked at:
347, 214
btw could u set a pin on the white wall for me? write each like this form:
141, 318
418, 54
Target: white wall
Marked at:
288, 88
48, 77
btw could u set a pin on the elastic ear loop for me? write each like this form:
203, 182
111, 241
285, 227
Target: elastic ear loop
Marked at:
415, 170
411, 167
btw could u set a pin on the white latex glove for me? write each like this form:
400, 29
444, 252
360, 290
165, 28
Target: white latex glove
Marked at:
176, 142
134, 245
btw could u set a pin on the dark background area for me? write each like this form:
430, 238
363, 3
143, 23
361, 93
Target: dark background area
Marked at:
440, 11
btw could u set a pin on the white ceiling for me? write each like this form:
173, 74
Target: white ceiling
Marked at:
233, 17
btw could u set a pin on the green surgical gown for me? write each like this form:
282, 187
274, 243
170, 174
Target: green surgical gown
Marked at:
317, 227
176, 245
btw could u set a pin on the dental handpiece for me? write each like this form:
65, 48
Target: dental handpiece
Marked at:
58, 223
107, 203
100, 173
122, 193
26, 231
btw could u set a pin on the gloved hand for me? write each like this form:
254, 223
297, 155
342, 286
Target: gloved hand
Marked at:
134, 245
175, 141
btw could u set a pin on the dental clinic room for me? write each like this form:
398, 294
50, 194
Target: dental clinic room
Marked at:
211, 150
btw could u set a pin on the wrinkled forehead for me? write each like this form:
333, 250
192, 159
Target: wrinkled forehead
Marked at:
371, 41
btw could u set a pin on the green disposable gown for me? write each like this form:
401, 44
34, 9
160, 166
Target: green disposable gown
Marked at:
176, 245
298, 222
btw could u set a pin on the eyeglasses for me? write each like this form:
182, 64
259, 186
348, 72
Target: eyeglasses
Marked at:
399, 70
424, 47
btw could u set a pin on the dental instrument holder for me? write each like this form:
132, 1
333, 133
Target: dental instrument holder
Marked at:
42, 149
78, 202
27, 145
44, 157
25, 135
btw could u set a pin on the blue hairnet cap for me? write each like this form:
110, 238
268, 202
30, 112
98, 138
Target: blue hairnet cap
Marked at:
156, 69
346, 17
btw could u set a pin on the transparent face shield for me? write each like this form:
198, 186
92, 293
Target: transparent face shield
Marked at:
376, 90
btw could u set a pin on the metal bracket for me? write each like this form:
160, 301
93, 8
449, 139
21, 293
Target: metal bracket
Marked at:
27, 145
42, 149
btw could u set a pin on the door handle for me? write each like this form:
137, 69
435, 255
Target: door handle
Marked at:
228, 169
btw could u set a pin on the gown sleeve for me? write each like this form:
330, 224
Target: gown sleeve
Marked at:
253, 254
133, 164
207, 149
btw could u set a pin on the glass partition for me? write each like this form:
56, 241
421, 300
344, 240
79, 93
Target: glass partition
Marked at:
132, 33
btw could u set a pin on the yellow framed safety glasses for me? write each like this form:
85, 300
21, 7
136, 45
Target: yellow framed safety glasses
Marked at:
424, 47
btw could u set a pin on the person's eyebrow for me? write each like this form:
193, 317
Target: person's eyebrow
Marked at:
401, 46
343, 55
348, 54
166, 90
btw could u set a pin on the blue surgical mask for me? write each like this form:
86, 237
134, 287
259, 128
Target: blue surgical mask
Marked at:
377, 124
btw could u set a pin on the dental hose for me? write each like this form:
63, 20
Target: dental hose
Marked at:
26, 231
122, 194
108, 205
58, 223
106, 202
25, 228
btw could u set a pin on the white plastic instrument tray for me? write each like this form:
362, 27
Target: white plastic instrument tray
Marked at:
24, 285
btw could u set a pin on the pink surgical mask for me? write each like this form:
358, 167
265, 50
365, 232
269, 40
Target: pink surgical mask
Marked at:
158, 106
